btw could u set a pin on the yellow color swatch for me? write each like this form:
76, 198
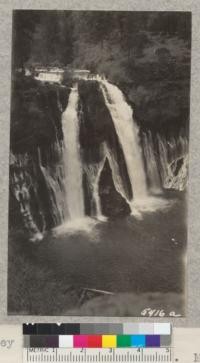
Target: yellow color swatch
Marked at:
109, 341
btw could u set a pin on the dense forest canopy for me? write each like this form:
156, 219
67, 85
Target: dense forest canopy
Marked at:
147, 54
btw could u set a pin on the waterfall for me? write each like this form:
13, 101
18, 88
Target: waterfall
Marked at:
174, 160
53, 178
53, 181
127, 132
72, 159
93, 172
163, 155
151, 163
21, 183
170, 157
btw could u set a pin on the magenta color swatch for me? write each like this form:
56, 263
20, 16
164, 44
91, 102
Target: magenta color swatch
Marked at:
80, 341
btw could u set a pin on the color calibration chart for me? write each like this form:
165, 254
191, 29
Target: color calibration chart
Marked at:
104, 342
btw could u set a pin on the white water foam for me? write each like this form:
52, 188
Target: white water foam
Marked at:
72, 160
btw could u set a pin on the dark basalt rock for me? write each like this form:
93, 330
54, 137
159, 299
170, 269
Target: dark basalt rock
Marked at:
113, 204
87, 196
36, 110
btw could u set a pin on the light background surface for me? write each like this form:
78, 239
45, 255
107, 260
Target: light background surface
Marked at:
193, 257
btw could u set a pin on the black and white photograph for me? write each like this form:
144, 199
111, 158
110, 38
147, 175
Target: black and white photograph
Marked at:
98, 170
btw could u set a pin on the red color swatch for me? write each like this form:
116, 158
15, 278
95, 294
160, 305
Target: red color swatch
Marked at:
94, 341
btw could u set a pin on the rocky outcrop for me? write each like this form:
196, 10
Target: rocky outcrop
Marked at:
113, 204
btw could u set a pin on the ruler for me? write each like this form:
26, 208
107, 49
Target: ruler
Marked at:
116, 355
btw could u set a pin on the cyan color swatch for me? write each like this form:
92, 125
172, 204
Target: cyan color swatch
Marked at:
138, 341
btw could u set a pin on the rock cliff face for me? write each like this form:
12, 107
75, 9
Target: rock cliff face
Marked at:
36, 113
36, 132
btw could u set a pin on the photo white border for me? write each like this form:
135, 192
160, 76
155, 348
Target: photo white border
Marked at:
192, 318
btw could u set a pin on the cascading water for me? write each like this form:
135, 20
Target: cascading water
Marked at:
53, 180
21, 183
174, 160
72, 160
93, 173
151, 163
127, 132
170, 157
